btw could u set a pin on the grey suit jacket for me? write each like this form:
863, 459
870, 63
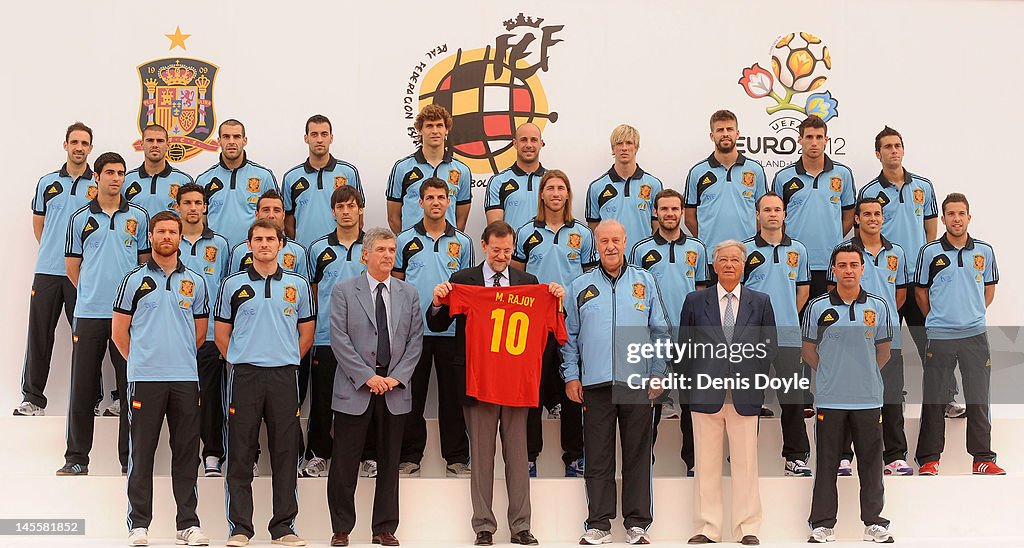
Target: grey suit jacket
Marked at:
354, 341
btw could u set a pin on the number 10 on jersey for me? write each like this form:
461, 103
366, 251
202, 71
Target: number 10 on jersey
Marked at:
515, 336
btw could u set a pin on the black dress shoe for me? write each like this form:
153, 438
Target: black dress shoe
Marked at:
765, 412
484, 538
700, 539
339, 539
384, 539
524, 538
749, 540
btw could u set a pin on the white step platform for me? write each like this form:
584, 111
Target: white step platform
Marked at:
35, 446
959, 509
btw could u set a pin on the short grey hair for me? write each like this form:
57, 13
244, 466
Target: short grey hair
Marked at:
726, 244
610, 223
373, 234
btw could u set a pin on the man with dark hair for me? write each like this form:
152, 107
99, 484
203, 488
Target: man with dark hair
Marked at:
432, 160
154, 185
885, 276
496, 402
512, 194
332, 258
846, 339
956, 282
819, 195
680, 264
776, 264
58, 195
555, 247
105, 239
428, 254
722, 188
164, 304
307, 187
911, 216
207, 253
234, 184
264, 325
270, 206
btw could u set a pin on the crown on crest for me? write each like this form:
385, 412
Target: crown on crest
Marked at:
523, 21
177, 74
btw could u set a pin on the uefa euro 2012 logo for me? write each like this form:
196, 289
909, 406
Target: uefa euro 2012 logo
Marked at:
800, 66
489, 91
801, 63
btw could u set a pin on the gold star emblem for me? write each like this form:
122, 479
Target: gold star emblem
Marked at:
177, 39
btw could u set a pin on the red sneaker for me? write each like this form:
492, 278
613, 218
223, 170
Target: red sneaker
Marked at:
985, 468
930, 469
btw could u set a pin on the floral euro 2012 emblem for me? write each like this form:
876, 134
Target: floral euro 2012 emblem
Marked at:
800, 64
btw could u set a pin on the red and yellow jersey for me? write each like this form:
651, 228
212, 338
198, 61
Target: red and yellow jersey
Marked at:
506, 332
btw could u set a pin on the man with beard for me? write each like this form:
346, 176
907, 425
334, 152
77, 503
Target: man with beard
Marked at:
207, 253
512, 194
307, 187
819, 196
680, 265
234, 185
59, 194
337, 256
555, 247
164, 304
155, 184
264, 325
105, 239
428, 254
721, 189
956, 282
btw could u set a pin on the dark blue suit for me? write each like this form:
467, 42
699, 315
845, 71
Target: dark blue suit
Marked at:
701, 323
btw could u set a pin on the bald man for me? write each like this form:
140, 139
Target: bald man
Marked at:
512, 194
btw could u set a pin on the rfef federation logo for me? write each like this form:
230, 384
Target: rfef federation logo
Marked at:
488, 91
177, 94
800, 65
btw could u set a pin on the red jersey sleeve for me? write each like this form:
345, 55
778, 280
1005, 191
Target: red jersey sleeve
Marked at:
556, 321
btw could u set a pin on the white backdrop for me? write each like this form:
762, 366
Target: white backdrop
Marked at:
944, 73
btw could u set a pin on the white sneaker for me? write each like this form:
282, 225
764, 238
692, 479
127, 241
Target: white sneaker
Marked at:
821, 535
555, 412
636, 535
955, 411
669, 411
192, 537
255, 470
596, 536
878, 533
29, 409
211, 467
898, 468
845, 467
113, 410
368, 469
797, 468
138, 537
458, 470
410, 469
315, 468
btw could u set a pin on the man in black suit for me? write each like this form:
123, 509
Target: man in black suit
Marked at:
483, 418
741, 320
